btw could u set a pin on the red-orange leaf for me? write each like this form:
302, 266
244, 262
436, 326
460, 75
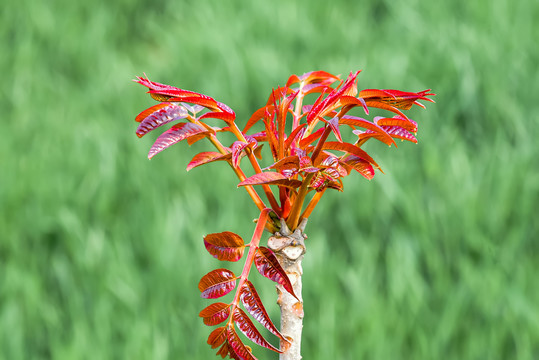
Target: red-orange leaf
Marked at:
293, 135
227, 350
159, 115
173, 135
350, 148
258, 115
357, 121
237, 346
397, 120
352, 101
334, 125
252, 303
287, 166
311, 138
207, 157
217, 337
268, 265
237, 152
217, 283
225, 246
313, 77
384, 106
199, 99
360, 165
248, 329
400, 133
270, 178
225, 116
215, 314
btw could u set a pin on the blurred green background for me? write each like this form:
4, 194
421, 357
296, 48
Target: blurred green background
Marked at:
101, 250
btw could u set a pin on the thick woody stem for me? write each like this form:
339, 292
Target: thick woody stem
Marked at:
289, 248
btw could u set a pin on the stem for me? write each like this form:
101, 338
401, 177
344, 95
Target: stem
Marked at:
289, 249
293, 218
310, 207
267, 190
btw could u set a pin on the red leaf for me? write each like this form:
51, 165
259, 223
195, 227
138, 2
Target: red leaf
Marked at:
292, 136
400, 133
270, 178
281, 118
313, 77
384, 106
248, 329
257, 116
352, 101
345, 90
173, 135
252, 303
360, 165
159, 115
198, 99
225, 246
237, 152
225, 116
311, 138
215, 313
397, 120
157, 88
217, 337
237, 346
373, 93
207, 157
287, 164
334, 125
227, 350
268, 265
217, 283
350, 148
357, 121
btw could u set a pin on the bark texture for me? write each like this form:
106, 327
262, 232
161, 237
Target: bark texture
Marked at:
289, 248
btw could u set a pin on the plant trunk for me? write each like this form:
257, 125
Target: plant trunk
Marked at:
289, 249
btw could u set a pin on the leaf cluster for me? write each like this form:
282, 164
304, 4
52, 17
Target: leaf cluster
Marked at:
308, 153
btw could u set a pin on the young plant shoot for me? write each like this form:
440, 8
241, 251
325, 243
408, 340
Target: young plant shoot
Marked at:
307, 154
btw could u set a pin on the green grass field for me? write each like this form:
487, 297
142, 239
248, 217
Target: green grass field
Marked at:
101, 250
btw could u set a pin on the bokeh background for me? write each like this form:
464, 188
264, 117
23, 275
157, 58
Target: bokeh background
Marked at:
101, 250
